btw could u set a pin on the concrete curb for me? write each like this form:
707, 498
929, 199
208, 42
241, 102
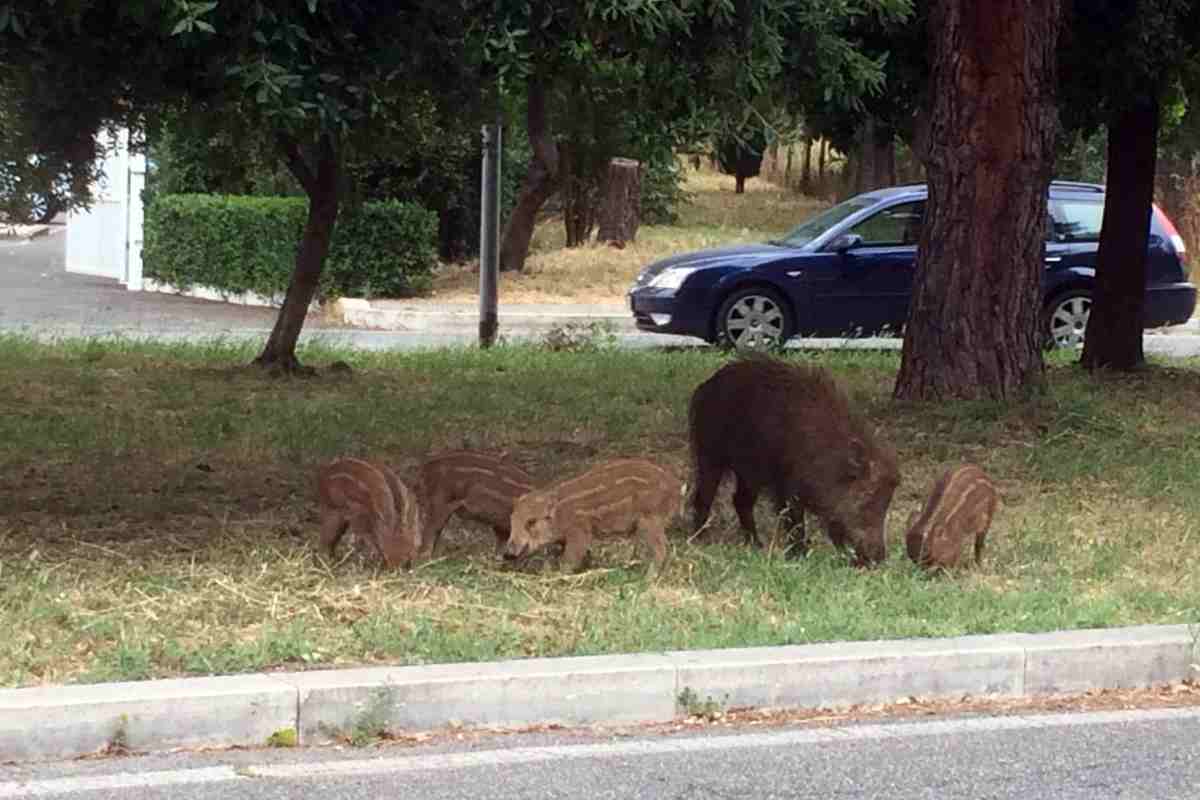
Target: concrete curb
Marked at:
244, 710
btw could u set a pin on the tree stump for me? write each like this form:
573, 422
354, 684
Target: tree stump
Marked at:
621, 210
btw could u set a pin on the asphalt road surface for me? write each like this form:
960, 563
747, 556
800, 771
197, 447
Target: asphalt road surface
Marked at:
36, 291
39, 297
1079, 756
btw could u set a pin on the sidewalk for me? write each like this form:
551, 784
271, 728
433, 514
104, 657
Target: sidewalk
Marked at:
321, 706
425, 316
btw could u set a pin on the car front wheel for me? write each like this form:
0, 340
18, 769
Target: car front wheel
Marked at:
1067, 318
756, 318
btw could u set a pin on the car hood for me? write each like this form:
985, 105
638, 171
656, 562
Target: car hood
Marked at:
742, 255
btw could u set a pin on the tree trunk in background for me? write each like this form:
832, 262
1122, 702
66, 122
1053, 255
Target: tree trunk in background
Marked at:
973, 327
1114, 333
578, 199
821, 162
621, 210
806, 167
540, 184
321, 186
864, 157
884, 156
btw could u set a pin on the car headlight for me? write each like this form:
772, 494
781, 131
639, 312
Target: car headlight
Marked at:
671, 278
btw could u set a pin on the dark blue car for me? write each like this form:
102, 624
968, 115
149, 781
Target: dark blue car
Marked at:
848, 271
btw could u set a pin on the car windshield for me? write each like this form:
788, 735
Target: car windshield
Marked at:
810, 229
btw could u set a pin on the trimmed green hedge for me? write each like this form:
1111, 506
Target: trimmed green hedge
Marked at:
238, 244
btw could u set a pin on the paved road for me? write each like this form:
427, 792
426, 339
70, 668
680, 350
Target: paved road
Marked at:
36, 291
1086, 756
38, 295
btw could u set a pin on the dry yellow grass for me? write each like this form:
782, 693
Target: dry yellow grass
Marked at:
601, 274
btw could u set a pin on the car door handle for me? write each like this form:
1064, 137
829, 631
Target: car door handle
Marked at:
796, 273
1051, 259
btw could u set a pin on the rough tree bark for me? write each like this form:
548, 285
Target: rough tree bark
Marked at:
1113, 338
321, 186
621, 209
540, 184
973, 327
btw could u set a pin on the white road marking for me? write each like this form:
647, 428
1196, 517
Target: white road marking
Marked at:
118, 780
443, 762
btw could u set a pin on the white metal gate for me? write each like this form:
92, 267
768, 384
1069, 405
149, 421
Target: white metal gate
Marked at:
106, 240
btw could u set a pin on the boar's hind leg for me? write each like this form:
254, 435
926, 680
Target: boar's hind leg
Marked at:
654, 534
333, 526
744, 498
708, 480
979, 542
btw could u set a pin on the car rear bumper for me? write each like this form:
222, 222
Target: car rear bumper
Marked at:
1169, 304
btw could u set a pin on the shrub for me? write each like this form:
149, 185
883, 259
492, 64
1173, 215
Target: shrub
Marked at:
662, 190
240, 244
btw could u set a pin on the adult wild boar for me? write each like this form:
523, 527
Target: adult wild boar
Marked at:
788, 429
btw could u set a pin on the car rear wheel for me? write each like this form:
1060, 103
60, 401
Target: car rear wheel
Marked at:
756, 318
1067, 317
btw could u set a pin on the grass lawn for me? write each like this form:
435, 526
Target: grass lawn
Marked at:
157, 514
601, 274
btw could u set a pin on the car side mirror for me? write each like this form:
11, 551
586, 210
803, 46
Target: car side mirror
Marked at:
847, 241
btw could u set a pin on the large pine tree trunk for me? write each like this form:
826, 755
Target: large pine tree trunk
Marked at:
973, 327
541, 181
321, 186
1114, 332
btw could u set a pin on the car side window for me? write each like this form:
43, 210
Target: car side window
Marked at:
893, 227
1076, 220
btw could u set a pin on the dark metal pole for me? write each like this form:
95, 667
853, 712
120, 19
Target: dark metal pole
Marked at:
489, 237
